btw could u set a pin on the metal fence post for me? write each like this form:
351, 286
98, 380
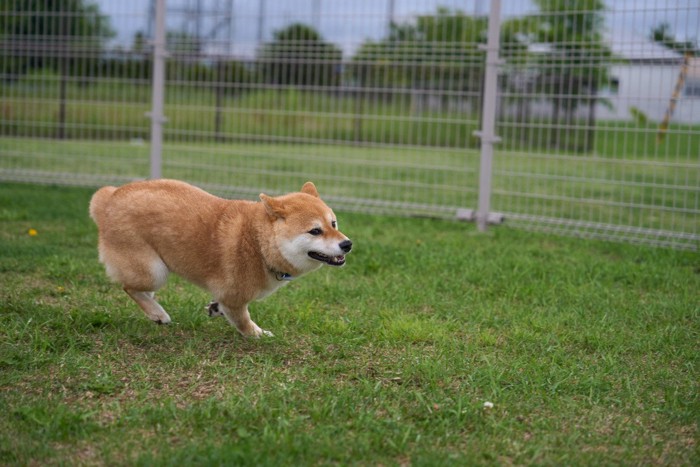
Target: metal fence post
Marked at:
157, 115
488, 124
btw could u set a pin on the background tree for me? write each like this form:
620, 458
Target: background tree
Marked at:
64, 35
452, 49
574, 63
183, 45
518, 80
663, 34
139, 45
438, 53
385, 63
67, 36
298, 55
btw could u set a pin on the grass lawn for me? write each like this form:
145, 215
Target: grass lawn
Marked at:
587, 350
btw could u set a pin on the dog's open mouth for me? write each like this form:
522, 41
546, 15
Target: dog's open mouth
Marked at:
330, 260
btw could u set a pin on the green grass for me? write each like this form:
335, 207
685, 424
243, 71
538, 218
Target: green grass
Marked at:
588, 351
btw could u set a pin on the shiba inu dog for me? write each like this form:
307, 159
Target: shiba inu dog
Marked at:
240, 251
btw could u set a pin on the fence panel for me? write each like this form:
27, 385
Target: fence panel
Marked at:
585, 112
380, 126
73, 101
377, 102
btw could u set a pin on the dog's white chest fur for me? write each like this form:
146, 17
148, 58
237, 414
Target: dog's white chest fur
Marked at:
272, 285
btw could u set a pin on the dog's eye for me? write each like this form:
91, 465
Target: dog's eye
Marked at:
334, 224
316, 231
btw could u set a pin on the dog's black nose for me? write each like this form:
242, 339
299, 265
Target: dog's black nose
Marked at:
345, 245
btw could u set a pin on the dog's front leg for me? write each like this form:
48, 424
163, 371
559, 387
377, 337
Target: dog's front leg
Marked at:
240, 317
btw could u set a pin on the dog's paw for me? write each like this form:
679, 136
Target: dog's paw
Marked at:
259, 334
256, 332
214, 310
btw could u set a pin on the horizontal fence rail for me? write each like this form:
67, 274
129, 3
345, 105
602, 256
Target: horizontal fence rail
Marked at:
595, 116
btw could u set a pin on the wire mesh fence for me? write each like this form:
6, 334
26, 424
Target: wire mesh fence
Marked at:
585, 122
597, 106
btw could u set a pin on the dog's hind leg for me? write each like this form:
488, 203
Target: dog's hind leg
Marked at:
149, 305
140, 274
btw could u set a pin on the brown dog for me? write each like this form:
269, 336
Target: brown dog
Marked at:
240, 251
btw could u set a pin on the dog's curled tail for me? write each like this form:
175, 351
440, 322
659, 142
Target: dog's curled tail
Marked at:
99, 202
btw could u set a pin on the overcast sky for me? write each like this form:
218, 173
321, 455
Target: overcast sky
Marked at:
348, 23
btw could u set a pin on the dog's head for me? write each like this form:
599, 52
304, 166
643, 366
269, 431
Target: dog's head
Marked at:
306, 230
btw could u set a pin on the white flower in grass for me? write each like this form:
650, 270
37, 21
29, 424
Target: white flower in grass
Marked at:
488, 405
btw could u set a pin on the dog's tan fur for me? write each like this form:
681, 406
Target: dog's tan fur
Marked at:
238, 250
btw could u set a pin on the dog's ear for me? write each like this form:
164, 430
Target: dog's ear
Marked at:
273, 206
310, 189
